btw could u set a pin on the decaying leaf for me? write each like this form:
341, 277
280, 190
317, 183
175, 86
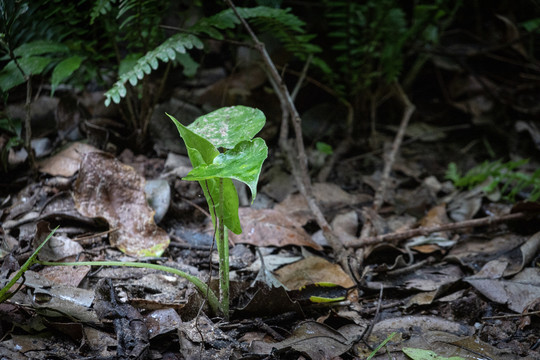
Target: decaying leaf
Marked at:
109, 189
329, 196
268, 227
317, 341
313, 270
66, 162
516, 292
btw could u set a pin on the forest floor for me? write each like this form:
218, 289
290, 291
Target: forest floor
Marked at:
470, 290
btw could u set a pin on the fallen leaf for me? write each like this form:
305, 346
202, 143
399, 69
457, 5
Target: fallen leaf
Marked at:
313, 270
516, 292
329, 196
109, 189
66, 162
317, 341
268, 227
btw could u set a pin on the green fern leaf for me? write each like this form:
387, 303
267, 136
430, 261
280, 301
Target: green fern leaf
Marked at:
502, 177
145, 64
101, 7
63, 70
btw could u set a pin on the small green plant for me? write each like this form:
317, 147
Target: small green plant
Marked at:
385, 341
228, 129
231, 129
4, 295
501, 176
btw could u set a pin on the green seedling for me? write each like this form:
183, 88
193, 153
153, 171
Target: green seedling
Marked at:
385, 341
230, 129
4, 295
499, 176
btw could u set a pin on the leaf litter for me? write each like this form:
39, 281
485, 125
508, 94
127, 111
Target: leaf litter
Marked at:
426, 272
468, 293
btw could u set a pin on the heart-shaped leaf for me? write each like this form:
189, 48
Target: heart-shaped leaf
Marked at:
201, 153
242, 163
196, 144
226, 127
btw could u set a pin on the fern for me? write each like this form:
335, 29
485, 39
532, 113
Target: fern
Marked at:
280, 22
101, 7
502, 176
370, 39
165, 52
286, 27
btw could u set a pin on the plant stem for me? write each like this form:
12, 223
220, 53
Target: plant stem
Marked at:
223, 251
31, 261
201, 286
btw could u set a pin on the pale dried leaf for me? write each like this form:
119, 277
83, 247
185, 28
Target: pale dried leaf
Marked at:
66, 162
109, 189
268, 227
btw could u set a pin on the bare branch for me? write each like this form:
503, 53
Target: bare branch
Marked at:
297, 157
395, 237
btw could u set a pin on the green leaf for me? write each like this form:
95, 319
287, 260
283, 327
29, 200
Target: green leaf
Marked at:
40, 47
202, 151
149, 62
11, 76
230, 200
190, 65
128, 63
63, 70
226, 127
324, 148
100, 7
531, 25
421, 354
242, 163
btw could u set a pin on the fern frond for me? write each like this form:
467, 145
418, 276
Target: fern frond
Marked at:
165, 52
101, 7
287, 28
226, 19
513, 182
281, 23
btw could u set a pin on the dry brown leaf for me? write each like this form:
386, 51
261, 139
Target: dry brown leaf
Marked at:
268, 227
66, 162
312, 270
109, 189
328, 195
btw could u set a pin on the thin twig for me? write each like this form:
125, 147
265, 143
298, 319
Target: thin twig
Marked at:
389, 161
509, 316
302, 77
395, 237
302, 175
28, 125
